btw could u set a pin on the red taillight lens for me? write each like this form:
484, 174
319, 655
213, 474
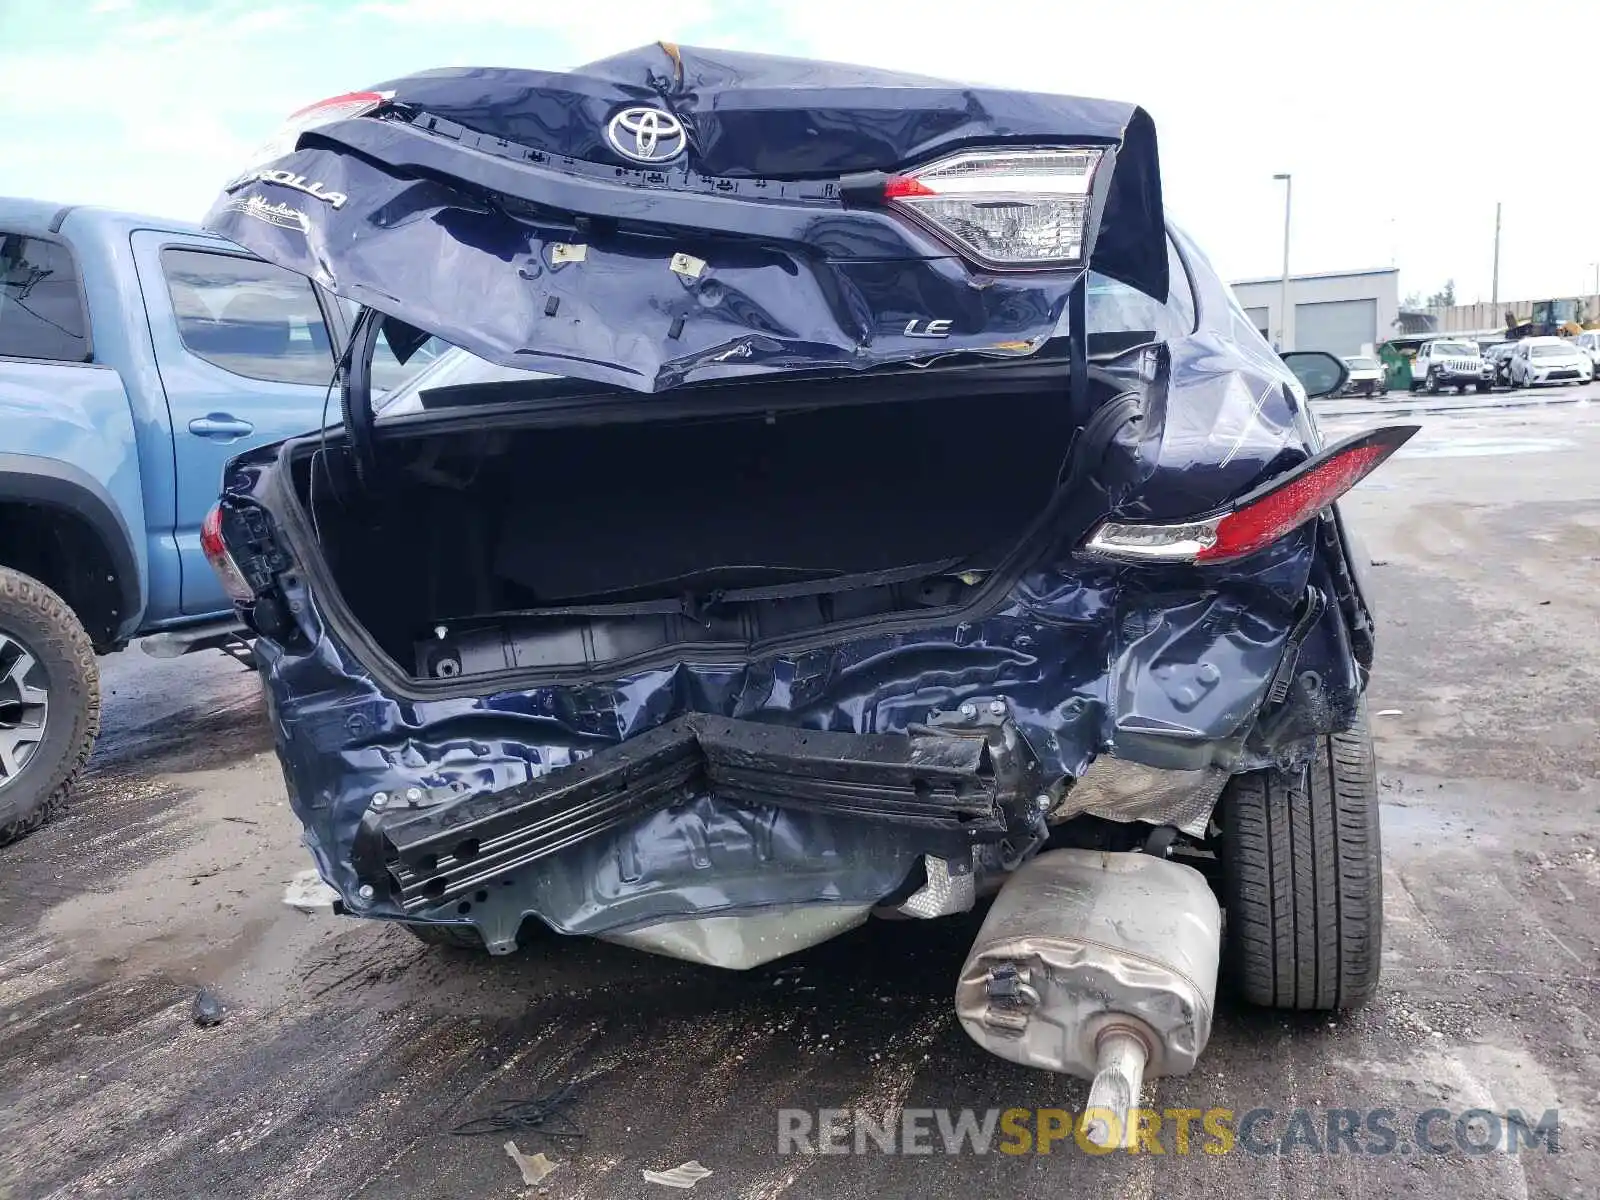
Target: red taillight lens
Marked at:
1248, 529
216, 552
323, 112
1259, 519
1005, 208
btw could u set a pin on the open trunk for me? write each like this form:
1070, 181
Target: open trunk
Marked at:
484, 547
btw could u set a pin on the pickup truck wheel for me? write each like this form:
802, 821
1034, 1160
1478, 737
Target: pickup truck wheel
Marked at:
1303, 879
49, 703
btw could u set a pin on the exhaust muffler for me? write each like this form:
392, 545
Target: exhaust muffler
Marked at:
1098, 965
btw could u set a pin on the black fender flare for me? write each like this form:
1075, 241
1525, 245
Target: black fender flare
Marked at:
51, 483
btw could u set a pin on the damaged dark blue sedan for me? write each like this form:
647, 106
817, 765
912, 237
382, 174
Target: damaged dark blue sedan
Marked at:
840, 494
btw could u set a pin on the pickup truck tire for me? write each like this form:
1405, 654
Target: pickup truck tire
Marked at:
1303, 879
36, 621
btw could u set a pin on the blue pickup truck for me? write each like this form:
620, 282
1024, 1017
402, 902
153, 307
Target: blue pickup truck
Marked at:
137, 356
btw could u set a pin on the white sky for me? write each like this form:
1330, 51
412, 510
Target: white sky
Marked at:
1403, 122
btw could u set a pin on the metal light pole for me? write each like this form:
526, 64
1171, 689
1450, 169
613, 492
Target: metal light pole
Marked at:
1285, 314
1494, 288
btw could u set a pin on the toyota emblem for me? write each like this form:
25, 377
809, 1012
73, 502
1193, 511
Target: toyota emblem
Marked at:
647, 135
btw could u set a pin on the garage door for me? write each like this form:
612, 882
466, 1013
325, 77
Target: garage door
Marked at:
1337, 326
1258, 318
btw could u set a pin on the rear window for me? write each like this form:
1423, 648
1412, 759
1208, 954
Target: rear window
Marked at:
41, 304
248, 317
1359, 363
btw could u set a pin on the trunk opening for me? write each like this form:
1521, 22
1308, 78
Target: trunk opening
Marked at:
571, 547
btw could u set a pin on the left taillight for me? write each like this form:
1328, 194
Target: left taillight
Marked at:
1257, 520
217, 554
323, 112
1016, 209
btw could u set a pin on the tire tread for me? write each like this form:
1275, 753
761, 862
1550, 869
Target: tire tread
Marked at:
1303, 879
51, 630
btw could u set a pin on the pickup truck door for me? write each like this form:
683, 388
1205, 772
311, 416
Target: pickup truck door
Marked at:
245, 358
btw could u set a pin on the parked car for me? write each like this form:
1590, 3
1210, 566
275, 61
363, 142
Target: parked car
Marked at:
1450, 363
1366, 376
1589, 342
137, 355
1498, 357
1546, 360
675, 607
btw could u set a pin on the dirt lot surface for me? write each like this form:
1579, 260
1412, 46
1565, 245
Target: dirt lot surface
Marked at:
349, 1051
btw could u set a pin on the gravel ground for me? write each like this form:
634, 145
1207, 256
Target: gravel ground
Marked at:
349, 1051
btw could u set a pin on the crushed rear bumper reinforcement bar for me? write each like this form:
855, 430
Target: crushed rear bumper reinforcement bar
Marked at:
967, 777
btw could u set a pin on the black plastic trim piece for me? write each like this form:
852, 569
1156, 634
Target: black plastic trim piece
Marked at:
936, 780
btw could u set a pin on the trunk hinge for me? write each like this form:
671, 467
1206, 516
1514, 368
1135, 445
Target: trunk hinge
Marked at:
355, 397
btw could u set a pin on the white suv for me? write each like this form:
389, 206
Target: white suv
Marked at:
1450, 362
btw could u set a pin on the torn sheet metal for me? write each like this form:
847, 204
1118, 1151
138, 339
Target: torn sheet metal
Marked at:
1123, 791
951, 887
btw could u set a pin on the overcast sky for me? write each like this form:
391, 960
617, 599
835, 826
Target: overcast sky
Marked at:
1402, 121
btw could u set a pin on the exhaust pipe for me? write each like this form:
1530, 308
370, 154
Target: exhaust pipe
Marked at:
1098, 965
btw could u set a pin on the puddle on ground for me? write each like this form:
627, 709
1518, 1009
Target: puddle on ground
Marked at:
1484, 447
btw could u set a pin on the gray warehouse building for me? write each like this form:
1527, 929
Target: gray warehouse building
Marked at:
1343, 312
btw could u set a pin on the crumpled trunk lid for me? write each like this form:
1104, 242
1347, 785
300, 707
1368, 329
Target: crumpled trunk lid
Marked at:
492, 208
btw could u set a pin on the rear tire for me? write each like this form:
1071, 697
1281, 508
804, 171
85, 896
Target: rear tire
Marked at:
1303, 879
56, 697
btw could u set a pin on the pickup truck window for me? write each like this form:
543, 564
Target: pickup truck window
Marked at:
248, 317
41, 304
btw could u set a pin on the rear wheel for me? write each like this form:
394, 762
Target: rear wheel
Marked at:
49, 703
1303, 879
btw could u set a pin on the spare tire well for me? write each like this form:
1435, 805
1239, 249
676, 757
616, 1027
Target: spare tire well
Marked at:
64, 552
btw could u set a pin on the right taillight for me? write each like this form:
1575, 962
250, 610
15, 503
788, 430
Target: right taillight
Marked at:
216, 552
1014, 209
1257, 520
323, 112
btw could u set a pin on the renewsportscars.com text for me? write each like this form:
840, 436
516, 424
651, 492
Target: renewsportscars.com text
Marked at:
1181, 1131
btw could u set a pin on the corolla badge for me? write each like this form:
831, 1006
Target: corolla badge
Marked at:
647, 135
